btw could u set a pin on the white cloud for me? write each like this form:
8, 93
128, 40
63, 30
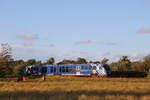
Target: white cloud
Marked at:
144, 30
28, 39
107, 43
28, 36
84, 42
136, 55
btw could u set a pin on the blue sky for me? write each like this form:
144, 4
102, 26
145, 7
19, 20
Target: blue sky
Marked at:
92, 29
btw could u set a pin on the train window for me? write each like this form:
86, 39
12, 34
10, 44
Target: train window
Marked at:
85, 68
70, 69
82, 67
44, 69
63, 69
60, 70
67, 69
35, 68
53, 69
73, 69
94, 67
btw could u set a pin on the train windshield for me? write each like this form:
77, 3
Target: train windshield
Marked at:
94, 67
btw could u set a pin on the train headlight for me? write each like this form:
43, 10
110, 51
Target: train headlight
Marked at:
94, 71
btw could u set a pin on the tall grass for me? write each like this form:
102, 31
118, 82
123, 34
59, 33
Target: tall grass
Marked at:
76, 88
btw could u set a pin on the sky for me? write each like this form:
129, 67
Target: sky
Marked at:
67, 29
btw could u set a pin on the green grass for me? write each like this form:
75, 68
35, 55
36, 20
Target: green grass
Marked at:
76, 88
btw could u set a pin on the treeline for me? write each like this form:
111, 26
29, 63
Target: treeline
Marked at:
13, 68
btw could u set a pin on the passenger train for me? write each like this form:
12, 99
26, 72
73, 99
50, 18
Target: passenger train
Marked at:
77, 70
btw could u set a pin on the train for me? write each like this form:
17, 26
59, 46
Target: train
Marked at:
75, 69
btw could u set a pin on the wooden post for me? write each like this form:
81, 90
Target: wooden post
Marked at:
43, 77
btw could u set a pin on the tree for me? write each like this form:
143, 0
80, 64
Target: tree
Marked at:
124, 64
65, 61
19, 65
114, 66
5, 60
5, 53
81, 61
94, 62
38, 63
104, 61
31, 62
138, 66
6, 69
50, 61
147, 63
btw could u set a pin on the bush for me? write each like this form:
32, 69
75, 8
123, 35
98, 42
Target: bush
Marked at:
127, 74
6, 69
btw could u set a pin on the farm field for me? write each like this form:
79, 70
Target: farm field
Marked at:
76, 88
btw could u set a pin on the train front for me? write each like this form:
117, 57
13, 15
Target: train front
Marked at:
101, 69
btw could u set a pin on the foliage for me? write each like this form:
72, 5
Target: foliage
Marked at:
124, 64
65, 61
104, 61
50, 61
78, 61
81, 61
127, 74
31, 62
18, 69
146, 63
6, 69
5, 60
10, 67
5, 53
94, 62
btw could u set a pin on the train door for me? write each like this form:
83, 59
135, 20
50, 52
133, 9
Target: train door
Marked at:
78, 70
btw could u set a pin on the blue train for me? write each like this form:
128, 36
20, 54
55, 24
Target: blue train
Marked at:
77, 70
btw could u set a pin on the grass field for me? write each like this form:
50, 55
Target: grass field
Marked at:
76, 88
